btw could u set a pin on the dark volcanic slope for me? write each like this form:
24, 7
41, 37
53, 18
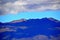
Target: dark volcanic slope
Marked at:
30, 28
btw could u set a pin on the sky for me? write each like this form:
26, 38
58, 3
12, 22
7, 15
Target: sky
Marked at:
18, 9
30, 15
16, 6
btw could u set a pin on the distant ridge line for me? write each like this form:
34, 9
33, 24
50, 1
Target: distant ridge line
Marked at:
22, 20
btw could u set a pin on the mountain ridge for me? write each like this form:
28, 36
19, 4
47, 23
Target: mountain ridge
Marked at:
21, 20
30, 28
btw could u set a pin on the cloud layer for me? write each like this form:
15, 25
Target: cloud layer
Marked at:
37, 37
15, 6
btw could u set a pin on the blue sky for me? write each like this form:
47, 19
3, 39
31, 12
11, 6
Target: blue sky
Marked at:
30, 15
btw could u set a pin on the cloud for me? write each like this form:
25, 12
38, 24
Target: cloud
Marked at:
23, 27
55, 28
39, 37
6, 37
7, 30
15, 6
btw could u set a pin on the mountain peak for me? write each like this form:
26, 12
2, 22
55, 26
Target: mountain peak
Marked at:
21, 20
52, 19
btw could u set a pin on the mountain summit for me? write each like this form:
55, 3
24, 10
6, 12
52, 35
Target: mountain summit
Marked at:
21, 20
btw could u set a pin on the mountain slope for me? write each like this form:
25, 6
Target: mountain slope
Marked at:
30, 28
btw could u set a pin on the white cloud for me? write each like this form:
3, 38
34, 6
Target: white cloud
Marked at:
7, 29
14, 7
23, 27
38, 37
28, 5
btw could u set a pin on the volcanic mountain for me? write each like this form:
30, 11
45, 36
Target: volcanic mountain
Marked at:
30, 28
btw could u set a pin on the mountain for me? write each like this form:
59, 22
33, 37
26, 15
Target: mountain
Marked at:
33, 22
29, 28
